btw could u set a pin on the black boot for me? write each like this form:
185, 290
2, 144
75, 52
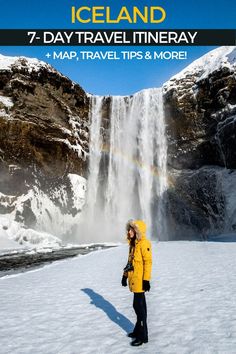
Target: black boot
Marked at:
131, 335
136, 342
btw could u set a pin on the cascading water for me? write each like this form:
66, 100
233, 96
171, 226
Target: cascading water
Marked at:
95, 153
127, 170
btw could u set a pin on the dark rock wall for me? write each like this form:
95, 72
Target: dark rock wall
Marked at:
40, 121
201, 128
44, 135
195, 111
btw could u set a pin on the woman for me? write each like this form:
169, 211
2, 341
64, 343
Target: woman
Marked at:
138, 273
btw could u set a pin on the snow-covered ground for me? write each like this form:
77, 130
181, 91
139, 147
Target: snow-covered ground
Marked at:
78, 306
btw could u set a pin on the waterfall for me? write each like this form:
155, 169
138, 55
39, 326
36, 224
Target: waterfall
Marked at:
95, 152
127, 167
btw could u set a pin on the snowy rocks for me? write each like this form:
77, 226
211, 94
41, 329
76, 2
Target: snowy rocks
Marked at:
46, 118
43, 142
200, 108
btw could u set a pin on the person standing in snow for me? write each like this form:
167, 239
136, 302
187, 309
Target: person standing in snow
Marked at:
138, 273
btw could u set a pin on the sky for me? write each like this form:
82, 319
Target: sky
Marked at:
115, 77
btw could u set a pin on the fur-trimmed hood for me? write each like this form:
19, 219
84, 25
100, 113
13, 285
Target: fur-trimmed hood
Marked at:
139, 227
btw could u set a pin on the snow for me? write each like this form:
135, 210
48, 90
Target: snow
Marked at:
79, 187
9, 226
76, 147
224, 56
5, 243
14, 237
6, 101
6, 62
75, 124
52, 224
3, 113
29, 237
32, 64
79, 306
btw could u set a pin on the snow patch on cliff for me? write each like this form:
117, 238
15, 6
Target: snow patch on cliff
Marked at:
6, 101
32, 64
79, 187
222, 57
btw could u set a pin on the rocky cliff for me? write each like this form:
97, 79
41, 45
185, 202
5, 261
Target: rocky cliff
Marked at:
200, 110
43, 146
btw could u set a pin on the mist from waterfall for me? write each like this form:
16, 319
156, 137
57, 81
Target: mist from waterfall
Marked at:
127, 167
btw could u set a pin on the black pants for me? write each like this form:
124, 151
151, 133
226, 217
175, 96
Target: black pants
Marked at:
140, 308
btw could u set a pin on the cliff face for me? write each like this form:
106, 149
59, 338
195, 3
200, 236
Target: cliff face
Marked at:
200, 108
48, 114
43, 143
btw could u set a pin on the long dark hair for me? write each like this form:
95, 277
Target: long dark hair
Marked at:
131, 240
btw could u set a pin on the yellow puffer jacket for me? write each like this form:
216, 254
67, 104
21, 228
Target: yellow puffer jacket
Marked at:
142, 258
